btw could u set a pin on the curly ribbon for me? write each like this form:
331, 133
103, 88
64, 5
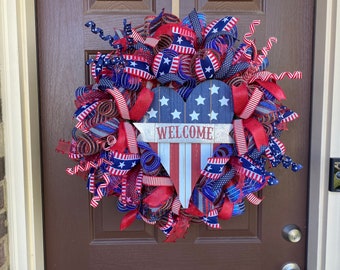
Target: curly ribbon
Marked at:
266, 76
100, 191
150, 162
100, 32
251, 32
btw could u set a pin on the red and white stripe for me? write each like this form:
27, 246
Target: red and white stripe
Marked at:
87, 111
254, 199
183, 162
120, 102
150, 180
96, 199
182, 49
252, 104
136, 36
184, 32
122, 197
152, 42
247, 35
291, 117
266, 75
266, 49
240, 137
176, 206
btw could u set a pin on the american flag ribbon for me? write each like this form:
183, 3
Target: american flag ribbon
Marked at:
223, 24
275, 150
212, 219
206, 65
289, 115
214, 167
249, 169
165, 62
85, 110
122, 163
182, 41
138, 66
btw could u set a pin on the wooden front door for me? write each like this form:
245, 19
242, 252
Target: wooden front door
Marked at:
78, 237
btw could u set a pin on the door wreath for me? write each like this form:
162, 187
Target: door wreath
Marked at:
181, 122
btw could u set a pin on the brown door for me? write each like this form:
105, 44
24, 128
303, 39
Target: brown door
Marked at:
78, 237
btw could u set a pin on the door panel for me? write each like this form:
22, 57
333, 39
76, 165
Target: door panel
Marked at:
79, 237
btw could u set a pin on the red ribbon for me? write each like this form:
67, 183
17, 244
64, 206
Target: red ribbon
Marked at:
255, 128
143, 102
128, 219
227, 210
273, 88
158, 196
240, 97
258, 132
179, 229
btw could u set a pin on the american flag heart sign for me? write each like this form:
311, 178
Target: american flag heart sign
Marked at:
184, 133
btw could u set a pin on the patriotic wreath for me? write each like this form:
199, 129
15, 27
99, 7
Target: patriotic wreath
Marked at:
180, 122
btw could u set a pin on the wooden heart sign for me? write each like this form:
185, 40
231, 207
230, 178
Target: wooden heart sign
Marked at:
184, 133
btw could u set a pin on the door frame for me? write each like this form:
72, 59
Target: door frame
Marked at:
18, 55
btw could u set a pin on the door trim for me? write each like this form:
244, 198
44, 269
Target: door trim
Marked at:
21, 131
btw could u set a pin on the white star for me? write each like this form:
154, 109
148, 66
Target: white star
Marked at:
224, 101
214, 89
164, 101
221, 168
147, 67
176, 114
252, 167
225, 19
194, 116
133, 63
161, 73
152, 113
213, 115
167, 60
200, 100
209, 168
133, 164
179, 40
215, 30
121, 164
208, 69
